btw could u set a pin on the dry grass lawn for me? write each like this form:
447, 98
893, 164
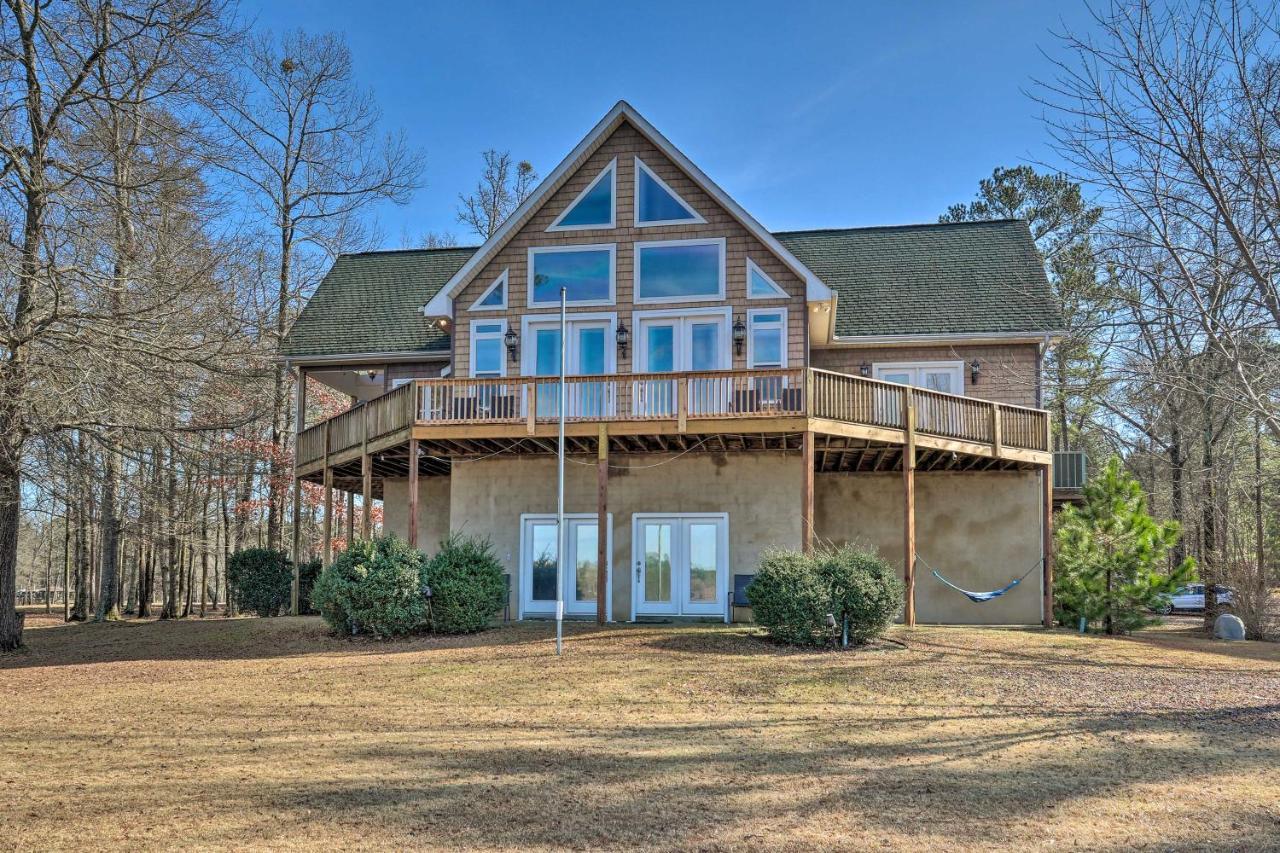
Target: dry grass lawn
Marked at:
269, 733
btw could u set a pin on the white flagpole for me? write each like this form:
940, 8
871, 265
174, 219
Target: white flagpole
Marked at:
561, 538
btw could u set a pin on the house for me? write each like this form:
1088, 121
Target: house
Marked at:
730, 389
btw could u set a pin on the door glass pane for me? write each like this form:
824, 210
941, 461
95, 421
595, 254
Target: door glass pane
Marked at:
766, 347
544, 547
661, 346
705, 349
657, 562
586, 559
938, 381
488, 357
702, 562
591, 350
900, 378
547, 345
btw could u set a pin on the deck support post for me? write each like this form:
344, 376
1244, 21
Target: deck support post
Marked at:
366, 496
602, 525
328, 514
297, 542
1047, 546
413, 493
909, 507
806, 491
351, 517
299, 424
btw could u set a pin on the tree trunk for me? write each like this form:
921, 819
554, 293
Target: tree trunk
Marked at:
108, 603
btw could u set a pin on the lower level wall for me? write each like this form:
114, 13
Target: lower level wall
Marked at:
433, 510
979, 529
759, 491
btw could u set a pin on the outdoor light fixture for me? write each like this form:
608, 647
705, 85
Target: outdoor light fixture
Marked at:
739, 335
512, 340
974, 369
624, 339
864, 370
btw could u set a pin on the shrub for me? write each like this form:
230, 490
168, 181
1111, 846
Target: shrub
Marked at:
373, 587
466, 584
793, 594
261, 580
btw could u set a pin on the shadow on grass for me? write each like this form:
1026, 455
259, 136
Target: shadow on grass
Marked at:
668, 786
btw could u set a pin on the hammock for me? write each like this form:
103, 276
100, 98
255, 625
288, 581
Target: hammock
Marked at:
980, 597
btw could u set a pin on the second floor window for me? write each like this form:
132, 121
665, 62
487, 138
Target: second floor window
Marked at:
679, 271
586, 273
767, 339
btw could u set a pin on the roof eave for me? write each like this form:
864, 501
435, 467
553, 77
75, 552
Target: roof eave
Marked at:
934, 338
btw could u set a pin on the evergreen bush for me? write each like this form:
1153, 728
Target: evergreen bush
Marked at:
374, 587
261, 580
466, 585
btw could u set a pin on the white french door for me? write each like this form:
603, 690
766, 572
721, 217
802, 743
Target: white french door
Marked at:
539, 547
680, 564
669, 343
945, 376
588, 354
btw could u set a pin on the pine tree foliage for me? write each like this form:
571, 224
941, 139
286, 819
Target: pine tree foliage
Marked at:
1111, 556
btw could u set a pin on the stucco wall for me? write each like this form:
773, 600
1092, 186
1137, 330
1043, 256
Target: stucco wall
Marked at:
980, 530
433, 510
759, 491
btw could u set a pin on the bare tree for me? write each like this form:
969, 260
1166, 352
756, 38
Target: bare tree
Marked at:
500, 190
308, 149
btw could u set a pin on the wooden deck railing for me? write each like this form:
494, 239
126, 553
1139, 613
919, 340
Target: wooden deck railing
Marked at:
682, 397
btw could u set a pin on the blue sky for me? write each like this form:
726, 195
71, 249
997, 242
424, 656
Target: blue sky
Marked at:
809, 114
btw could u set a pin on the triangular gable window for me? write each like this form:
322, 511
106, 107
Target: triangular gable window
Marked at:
760, 286
593, 208
494, 297
657, 203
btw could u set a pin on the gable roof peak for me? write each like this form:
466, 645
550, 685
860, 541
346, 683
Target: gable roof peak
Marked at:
441, 305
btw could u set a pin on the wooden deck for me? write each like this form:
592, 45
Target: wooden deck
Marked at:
852, 419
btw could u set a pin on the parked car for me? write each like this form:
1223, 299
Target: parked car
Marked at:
1191, 597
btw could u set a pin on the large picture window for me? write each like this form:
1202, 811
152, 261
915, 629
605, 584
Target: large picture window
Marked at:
679, 271
586, 273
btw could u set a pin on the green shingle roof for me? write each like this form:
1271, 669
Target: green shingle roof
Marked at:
371, 302
954, 278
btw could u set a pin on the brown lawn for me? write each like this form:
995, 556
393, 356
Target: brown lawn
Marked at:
269, 733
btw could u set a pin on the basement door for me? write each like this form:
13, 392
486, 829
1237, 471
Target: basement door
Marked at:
538, 564
680, 564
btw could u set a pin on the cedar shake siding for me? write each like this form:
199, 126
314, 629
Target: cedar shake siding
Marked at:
1010, 373
625, 144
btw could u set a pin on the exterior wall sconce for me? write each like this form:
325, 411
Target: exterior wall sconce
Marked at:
974, 370
512, 340
624, 339
739, 335
864, 370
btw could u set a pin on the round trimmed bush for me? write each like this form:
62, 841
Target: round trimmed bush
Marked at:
373, 587
794, 593
466, 584
261, 580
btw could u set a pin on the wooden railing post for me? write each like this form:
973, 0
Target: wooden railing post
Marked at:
997, 440
531, 401
682, 404
810, 409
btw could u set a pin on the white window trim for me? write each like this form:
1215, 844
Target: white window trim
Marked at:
529, 355
636, 248
752, 266
957, 367
521, 606
611, 172
635, 201
611, 248
639, 349
500, 334
500, 281
751, 339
